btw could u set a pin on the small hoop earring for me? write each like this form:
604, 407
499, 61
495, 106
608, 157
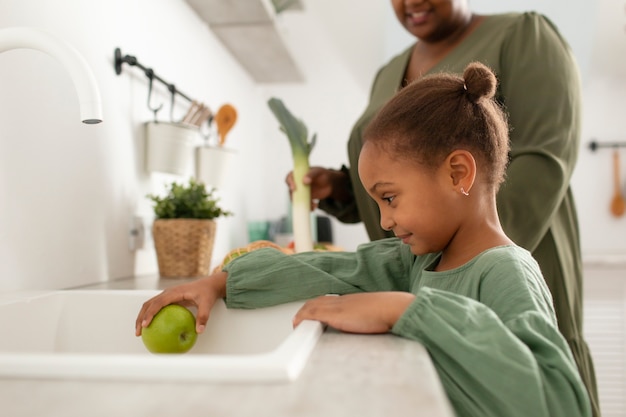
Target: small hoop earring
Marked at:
463, 191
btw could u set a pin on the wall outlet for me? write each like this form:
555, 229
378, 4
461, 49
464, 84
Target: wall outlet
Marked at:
139, 235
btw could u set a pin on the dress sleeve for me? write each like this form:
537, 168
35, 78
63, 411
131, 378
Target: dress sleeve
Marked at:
522, 367
345, 212
540, 83
267, 276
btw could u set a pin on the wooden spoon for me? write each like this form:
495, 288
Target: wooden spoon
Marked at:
225, 118
618, 204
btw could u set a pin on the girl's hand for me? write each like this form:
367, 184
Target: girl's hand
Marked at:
369, 313
201, 293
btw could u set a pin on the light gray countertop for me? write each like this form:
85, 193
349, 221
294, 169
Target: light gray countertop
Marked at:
346, 375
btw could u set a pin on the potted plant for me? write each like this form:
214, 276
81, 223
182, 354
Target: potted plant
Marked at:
184, 229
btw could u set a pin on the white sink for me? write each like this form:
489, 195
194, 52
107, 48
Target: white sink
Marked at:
89, 334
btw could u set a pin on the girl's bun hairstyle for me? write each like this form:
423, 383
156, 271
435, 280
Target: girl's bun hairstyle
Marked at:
480, 82
439, 113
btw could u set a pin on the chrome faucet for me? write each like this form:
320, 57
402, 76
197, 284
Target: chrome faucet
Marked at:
74, 63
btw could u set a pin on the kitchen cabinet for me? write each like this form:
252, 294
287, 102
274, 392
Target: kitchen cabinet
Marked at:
249, 31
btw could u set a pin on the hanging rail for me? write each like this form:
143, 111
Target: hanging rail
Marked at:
197, 114
132, 61
594, 145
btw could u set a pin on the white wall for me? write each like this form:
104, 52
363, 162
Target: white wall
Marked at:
68, 191
603, 236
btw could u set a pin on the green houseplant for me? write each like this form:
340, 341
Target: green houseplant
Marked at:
184, 229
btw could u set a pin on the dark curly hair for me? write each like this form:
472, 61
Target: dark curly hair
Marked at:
439, 113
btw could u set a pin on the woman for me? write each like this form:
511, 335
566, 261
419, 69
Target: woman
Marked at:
539, 86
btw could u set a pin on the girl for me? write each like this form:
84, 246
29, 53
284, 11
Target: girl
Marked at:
433, 159
539, 81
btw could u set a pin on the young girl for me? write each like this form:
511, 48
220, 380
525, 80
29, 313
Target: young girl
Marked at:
432, 159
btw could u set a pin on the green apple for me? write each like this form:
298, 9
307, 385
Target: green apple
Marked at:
172, 330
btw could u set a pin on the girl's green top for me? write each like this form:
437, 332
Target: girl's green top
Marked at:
539, 85
488, 325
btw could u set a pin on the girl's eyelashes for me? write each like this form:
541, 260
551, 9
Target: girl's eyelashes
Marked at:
388, 199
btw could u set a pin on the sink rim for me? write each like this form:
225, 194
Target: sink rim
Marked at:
283, 364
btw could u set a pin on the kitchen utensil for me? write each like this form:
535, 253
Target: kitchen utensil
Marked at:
618, 204
192, 110
193, 117
225, 118
201, 116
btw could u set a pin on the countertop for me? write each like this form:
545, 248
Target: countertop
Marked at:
346, 375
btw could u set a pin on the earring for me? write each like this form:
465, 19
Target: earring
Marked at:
463, 191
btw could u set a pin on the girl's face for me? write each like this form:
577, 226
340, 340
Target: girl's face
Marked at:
432, 20
417, 204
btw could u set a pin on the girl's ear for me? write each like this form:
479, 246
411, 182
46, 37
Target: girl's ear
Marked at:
462, 166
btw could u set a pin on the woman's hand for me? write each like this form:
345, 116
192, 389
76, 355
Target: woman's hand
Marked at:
374, 312
201, 293
324, 183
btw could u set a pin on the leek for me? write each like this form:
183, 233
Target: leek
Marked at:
297, 134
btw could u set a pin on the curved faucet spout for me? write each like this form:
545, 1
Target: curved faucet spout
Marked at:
82, 76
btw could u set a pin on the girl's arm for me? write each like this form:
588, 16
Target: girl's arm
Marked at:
268, 277
369, 313
522, 367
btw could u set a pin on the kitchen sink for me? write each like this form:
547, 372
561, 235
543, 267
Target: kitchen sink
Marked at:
89, 334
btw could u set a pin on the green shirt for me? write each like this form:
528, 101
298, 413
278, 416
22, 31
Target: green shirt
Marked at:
488, 325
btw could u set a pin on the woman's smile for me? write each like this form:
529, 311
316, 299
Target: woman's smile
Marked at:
416, 18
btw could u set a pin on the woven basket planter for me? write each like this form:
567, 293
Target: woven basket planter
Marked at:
183, 246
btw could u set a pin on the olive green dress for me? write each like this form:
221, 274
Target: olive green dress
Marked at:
488, 325
539, 86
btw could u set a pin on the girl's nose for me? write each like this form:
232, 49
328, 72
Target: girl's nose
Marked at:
386, 223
